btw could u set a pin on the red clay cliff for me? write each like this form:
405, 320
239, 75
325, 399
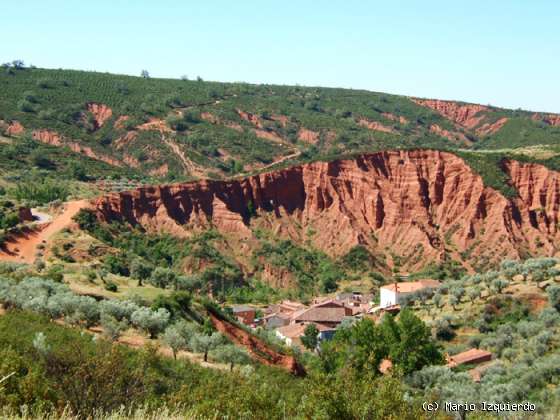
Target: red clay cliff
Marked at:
423, 206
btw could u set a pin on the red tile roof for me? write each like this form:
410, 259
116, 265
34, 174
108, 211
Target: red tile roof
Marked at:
321, 314
469, 356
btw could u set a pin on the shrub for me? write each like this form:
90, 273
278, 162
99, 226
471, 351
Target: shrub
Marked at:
163, 277
112, 328
553, 292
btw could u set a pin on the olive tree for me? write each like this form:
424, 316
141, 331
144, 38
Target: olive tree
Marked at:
153, 322
231, 354
174, 339
203, 343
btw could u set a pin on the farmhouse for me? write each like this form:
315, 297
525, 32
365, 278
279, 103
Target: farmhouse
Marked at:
391, 294
472, 356
244, 314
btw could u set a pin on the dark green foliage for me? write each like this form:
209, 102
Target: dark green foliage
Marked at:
42, 192
554, 296
449, 269
406, 342
8, 215
313, 269
117, 264
310, 337
358, 258
178, 304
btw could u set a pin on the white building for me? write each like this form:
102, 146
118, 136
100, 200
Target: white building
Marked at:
391, 294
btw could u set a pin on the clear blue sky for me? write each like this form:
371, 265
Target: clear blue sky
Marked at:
505, 53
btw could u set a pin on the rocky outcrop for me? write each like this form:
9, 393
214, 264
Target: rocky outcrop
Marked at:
394, 117
308, 136
15, 128
466, 115
374, 125
54, 139
119, 124
550, 119
25, 215
491, 128
47, 137
155, 124
450, 135
420, 205
250, 118
100, 112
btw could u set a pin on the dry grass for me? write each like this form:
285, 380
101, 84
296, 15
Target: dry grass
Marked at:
143, 413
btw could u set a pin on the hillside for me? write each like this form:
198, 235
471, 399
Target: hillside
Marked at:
157, 129
409, 209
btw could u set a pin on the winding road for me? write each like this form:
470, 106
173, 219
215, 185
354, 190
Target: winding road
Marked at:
24, 247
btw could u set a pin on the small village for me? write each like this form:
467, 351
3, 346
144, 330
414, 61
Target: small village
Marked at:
291, 320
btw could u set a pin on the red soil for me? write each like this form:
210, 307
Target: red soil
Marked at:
101, 113
465, 115
23, 248
374, 125
404, 202
308, 136
257, 348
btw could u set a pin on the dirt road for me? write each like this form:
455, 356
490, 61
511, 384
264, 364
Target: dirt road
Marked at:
24, 247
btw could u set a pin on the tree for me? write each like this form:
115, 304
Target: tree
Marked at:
553, 292
453, 301
203, 343
112, 328
18, 64
153, 322
163, 277
174, 339
415, 347
231, 354
145, 74
310, 337
443, 330
499, 284
140, 270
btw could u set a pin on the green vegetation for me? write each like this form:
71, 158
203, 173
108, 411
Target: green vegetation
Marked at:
217, 140
406, 342
313, 269
58, 367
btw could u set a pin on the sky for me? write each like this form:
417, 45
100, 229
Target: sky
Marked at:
501, 52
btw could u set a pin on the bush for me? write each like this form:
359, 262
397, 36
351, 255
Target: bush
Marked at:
163, 277
554, 296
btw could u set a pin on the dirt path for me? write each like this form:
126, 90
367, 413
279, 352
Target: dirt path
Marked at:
24, 247
187, 163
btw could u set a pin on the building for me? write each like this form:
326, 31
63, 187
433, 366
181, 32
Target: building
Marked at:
244, 314
329, 314
291, 334
391, 294
277, 319
472, 356
279, 315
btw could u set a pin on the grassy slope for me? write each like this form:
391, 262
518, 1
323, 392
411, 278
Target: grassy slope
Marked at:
56, 100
